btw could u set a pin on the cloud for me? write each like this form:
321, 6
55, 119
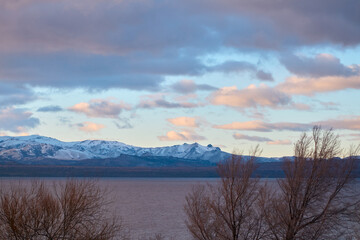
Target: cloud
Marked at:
322, 65
123, 123
184, 121
329, 105
162, 103
290, 23
250, 125
17, 120
159, 101
261, 139
100, 108
323, 73
261, 126
350, 123
50, 108
119, 44
92, 72
241, 66
311, 86
251, 138
129, 26
354, 136
90, 127
279, 142
250, 97
301, 106
264, 76
181, 136
11, 95
189, 86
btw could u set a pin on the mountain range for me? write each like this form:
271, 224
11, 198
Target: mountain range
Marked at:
36, 149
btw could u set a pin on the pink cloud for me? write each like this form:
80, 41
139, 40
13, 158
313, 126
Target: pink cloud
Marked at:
100, 108
261, 126
90, 127
310, 86
279, 142
250, 125
184, 121
181, 136
350, 123
301, 106
16, 134
250, 97
354, 136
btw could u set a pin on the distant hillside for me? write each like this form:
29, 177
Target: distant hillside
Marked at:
39, 150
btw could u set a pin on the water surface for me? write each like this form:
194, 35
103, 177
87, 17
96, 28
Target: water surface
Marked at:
147, 205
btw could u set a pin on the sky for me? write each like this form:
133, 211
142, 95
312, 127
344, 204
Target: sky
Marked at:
150, 73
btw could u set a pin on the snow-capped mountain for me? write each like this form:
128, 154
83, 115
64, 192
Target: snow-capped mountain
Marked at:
36, 147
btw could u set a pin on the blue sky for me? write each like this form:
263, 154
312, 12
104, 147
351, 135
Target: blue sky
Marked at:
155, 73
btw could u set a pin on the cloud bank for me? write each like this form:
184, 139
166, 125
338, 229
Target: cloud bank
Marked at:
120, 44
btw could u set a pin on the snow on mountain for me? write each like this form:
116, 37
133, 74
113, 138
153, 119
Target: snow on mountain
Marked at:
45, 147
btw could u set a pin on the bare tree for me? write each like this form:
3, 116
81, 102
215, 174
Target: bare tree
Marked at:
313, 201
74, 210
315, 193
227, 210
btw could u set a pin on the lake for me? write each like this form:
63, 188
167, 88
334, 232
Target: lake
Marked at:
147, 205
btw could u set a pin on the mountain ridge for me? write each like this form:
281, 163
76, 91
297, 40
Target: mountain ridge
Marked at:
35, 146
36, 149
38, 156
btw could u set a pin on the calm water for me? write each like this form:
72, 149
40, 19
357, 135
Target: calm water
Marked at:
147, 206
